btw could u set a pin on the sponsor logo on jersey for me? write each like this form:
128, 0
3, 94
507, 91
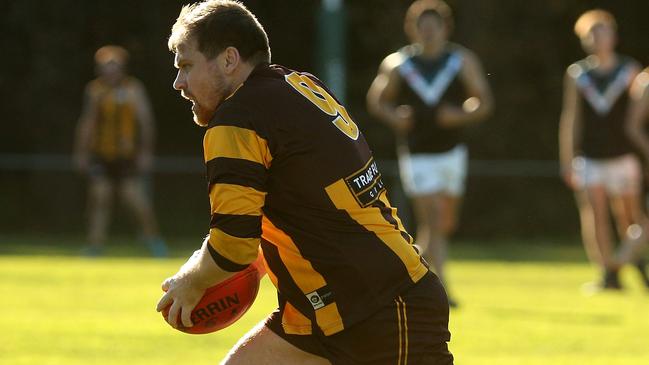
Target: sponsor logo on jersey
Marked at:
366, 184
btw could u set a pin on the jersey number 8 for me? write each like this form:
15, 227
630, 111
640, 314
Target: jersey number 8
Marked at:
325, 102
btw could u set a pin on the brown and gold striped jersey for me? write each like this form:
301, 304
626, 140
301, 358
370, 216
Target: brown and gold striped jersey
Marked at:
116, 134
288, 169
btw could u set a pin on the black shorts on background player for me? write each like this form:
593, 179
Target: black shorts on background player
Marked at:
115, 170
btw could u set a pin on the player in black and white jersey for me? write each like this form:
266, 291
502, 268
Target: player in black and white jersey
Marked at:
428, 92
597, 158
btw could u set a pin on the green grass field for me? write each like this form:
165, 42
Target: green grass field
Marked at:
521, 303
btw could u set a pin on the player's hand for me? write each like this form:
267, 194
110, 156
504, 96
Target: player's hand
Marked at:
403, 119
182, 293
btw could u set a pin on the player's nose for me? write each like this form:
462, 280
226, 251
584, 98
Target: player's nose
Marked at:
179, 83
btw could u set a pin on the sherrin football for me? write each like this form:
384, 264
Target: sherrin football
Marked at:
224, 303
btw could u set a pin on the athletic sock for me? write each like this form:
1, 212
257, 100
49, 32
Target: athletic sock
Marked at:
641, 265
611, 280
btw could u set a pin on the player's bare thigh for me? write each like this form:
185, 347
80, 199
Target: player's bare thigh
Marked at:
261, 346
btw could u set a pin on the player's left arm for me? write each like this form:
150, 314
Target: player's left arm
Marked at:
85, 128
479, 102
146, 122
638, 113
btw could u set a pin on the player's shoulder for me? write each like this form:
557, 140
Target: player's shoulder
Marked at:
262, 93
578, 68
242, 110
642, 80
394, 60
234, 112
461, 51
133, 83
95, 86
630, 62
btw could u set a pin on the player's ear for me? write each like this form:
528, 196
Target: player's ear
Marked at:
231, 59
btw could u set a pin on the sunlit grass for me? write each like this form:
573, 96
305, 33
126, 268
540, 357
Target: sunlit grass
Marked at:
57, 308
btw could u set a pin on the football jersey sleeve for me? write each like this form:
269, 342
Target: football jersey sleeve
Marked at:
237, 161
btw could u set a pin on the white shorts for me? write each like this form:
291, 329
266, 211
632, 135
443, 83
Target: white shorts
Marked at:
428, 173
619, 175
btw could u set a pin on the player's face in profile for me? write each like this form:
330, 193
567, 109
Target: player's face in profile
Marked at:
199, 80
600, 39
431, 30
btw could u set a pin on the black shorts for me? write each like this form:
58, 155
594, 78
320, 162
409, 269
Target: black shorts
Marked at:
115, 170
412, 329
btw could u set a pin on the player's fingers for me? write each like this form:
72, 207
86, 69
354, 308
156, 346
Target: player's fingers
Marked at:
172, 319
166, 284
163, 302
185, 316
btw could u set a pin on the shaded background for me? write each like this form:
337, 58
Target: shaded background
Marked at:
514, 189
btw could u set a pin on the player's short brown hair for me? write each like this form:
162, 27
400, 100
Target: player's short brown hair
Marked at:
111, 53
218, 24
425, 7
589, 19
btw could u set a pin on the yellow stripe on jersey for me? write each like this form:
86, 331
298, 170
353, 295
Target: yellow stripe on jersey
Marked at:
117, 120
236, 142
241, 251
236, 199
294, 322
304, 275
372, 219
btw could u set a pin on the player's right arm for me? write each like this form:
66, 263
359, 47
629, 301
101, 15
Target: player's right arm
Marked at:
638, 112
186, 288
383, 93
569, 125
85, 128
237, 161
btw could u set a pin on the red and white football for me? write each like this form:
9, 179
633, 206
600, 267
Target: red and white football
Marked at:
224, 303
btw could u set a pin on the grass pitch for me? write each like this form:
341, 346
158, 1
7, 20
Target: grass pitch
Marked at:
521, 303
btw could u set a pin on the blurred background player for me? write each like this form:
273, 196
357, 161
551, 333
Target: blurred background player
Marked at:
114, 147
597, 158
428, 92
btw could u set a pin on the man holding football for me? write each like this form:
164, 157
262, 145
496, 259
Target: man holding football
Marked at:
352, 289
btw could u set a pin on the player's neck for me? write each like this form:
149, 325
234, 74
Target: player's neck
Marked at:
432, 50
604, 60
239, 77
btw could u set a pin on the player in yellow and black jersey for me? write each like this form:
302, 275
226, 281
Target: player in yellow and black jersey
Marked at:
114, 147
289, 171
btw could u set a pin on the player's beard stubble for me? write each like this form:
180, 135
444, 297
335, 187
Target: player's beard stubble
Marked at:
204, 108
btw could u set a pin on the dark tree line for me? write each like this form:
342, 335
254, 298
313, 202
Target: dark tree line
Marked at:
525, 47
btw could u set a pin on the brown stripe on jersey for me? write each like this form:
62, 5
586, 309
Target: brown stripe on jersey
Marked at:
236, 142
372, 219
304, 275
236, 199
269, 271
390, 215
241, 251
224, 170
223, 262
244, 226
